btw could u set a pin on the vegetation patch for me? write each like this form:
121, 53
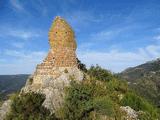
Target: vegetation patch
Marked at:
139, 104
100, 95
29, 107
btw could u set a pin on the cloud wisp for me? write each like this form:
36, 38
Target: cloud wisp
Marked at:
20, 33
18, 44
157, 37
116, 60
17, 5
22, 61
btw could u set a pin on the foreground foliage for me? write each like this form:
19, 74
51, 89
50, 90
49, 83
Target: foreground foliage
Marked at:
100, 96
29, 107
139, 104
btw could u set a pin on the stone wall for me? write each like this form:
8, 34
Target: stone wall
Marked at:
61, 34
62, 50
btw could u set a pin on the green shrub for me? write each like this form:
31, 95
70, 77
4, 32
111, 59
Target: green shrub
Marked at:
99, 95
29, 107
145, 116
139, 104
104, 105
100, 73
81, 66
117, 85
78, 102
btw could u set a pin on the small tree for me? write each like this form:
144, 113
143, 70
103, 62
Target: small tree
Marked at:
81, 66
100, 73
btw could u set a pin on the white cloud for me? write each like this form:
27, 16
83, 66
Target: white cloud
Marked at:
83, 16
17, 44
2, 60
117, 61
25, 55
114, 60
23, 34
154, 50
39, 6
16, 5
22, 61
79, 19
157, 37
109, 34
19, 33
104, 35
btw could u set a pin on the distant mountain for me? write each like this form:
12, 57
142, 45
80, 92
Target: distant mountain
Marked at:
11, 83
145, 80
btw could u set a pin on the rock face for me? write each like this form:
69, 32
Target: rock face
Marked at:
130, 113
4, 109
58, 68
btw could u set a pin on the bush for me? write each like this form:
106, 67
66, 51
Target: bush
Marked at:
139, 104
29, 107
117, 85
77, 102
100, 73
145, 116
104, 105
100, 94
93, 95
81, 66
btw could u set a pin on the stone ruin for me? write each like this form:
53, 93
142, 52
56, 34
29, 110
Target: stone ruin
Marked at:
62, 50
56, 71
58, 68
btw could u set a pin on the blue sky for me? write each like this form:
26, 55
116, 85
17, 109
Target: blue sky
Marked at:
115, 34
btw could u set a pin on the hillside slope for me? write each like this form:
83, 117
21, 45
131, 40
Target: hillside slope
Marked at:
145, 80
99, 96
11, 83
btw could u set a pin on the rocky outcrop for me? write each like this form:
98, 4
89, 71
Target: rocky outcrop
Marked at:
130, 113
58, 68
53, 87
4, 109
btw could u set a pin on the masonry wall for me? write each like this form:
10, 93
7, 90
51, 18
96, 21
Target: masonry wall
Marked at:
62, 48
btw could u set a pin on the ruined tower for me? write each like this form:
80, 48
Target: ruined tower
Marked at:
62, 51
62, 43
58, 68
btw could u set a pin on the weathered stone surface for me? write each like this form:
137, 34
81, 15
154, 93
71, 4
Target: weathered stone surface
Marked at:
61, 53
58, 68
4, 109
61, 35
130, 113
53, 87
